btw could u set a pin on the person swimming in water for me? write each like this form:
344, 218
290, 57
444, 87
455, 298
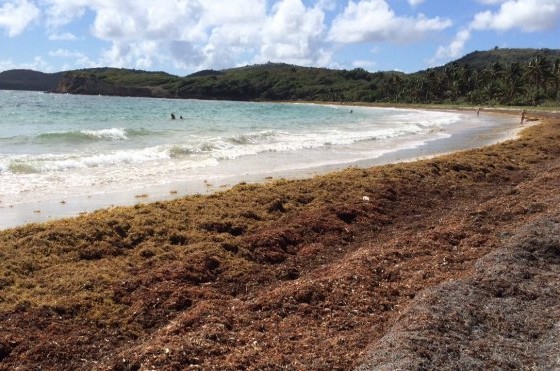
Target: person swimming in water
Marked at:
172, 116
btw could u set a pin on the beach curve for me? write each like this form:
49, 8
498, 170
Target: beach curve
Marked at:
303, 274
90, 193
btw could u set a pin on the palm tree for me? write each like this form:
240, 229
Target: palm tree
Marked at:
463, 76
556, 77
491, 89
431, 84
538, 71
418, 90
473, 85
489, 84
513, 82
496, 71
396, 82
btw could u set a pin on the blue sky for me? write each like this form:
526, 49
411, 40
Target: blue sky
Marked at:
184, 36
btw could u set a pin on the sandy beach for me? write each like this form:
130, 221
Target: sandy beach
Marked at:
447, 261
207, 181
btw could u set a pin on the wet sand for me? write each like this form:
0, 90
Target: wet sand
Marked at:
473, 136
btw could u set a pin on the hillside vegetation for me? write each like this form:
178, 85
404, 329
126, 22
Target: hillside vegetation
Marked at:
500, 76
29, 80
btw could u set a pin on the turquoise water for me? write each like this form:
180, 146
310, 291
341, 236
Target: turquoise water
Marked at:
76, 127
47, 132
54, 146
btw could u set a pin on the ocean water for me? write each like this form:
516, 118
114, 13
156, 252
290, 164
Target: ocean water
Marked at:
58, 146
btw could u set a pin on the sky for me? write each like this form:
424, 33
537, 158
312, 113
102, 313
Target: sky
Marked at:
185, 36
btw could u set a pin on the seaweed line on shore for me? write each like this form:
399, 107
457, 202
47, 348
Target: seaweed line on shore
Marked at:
336, 271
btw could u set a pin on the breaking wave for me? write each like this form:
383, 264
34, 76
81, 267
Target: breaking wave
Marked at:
112, 134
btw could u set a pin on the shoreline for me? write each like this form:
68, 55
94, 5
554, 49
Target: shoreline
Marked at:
20, 214
74, 205
361, 267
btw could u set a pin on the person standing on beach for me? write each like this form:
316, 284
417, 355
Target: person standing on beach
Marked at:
478, 111
523, 113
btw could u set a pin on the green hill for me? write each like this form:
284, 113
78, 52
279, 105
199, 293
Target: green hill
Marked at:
118, 81
273, 81
29, 80
499, 76
481, 59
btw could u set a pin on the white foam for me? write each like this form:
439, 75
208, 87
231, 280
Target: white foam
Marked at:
110, 159
111, 134
297, 141
134, 153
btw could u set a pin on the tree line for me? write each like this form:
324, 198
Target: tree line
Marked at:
531, 83
512, 83
498, 77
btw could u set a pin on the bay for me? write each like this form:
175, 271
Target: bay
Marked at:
106, 150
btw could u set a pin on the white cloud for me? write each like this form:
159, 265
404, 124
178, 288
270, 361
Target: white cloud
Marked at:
232, 34
62, 12
415, 2
367, 65
79, 59
185, 54
491, 2
114, 24
294, 34
190, 33
17, 15
63, 53
141, 54
374, 20
194, 34
527, 15
454, 49
38, 64
236, 12
65, 36
327, 5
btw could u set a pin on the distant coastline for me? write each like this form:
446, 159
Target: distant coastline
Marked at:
518, 77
